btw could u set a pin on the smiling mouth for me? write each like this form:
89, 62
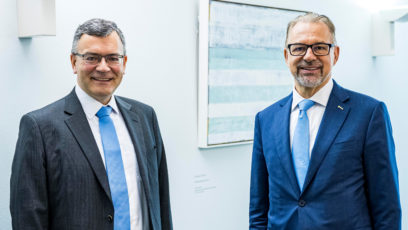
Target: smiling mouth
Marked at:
310, 68
101, 79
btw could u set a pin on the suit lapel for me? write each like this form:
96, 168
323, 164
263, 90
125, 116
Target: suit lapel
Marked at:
281, 130
334, 116
79, 126
136, 133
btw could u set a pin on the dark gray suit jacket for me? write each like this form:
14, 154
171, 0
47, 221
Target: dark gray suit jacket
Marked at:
58, 179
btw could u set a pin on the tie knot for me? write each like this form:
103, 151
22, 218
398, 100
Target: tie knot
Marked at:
305, 104
104, 111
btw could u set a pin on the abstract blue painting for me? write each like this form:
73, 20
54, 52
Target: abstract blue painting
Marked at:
246, 67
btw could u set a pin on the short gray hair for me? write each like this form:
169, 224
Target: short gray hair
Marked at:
312, 18
97, 27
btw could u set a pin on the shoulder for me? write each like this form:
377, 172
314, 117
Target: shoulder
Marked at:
56, 112
134, 105
45, 119
356, 99
143, 111
50, 111
140, 111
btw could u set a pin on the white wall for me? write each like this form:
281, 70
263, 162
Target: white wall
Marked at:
162, 71
391, 75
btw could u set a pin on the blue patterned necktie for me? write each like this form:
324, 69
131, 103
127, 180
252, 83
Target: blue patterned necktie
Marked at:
301, 140
114, 169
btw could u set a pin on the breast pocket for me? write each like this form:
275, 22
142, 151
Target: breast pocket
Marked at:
345, 158
346, 145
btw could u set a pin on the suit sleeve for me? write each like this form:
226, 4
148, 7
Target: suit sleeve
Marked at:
259, 202
28, 184
381, 172
165, 210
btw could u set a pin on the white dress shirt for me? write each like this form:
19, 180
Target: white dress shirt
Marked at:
315, 113
137, 200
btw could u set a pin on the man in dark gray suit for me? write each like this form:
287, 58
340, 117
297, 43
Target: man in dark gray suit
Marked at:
91, 160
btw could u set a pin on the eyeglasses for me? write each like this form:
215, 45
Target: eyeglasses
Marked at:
94, 59
318, 49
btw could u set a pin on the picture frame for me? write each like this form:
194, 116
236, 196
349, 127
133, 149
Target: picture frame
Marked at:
241, 68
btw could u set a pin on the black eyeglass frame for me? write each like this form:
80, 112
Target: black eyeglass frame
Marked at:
100, 56
311, 46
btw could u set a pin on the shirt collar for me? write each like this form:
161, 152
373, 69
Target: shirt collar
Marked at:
90, 105
321, 97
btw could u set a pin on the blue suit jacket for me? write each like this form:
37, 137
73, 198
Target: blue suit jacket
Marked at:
351, 182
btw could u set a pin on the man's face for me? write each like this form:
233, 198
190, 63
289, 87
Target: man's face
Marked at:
100, 80
311, 71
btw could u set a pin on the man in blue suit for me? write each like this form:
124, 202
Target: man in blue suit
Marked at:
323, 157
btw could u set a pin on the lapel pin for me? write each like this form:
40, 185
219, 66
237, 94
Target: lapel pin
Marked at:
340, 107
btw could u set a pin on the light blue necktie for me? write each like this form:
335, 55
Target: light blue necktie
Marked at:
114, 169
301, 140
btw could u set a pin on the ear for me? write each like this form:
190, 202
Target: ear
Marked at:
124, 63
73, 63
285, 53
336, 54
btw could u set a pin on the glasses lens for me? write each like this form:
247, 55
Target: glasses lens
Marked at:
298, 49
92, 59
113, 59
321, 49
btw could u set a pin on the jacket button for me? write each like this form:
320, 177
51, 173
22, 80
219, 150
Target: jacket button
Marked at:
109, 218
302, 203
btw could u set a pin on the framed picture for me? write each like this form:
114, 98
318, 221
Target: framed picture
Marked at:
242, 69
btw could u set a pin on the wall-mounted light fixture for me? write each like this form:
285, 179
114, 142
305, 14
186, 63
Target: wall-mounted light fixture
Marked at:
36, 18
383, 30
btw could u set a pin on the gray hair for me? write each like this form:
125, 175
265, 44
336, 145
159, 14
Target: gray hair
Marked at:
97, 27
312, 18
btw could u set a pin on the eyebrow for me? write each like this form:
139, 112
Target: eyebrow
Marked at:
300, 43
103, 55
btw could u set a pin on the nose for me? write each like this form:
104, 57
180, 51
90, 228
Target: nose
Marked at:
103, 66
309, 55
